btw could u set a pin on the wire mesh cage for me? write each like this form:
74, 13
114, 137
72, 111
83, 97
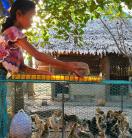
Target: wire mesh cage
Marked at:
65, 109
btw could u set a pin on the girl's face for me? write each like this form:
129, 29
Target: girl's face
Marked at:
25, 20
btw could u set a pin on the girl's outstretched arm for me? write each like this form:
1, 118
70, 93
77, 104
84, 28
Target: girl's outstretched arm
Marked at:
24, 44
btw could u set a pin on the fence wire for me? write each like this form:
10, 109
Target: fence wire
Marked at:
66, 109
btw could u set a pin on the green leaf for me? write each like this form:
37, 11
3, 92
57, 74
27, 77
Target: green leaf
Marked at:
62, 15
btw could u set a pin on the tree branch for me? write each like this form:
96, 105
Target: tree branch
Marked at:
120, 37
111, 35
123, 42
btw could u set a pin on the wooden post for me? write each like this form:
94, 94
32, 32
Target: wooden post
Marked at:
105, 69
19, 97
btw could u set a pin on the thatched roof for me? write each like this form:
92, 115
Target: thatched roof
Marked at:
97, 40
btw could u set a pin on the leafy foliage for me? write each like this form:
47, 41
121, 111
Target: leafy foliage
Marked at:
68, 18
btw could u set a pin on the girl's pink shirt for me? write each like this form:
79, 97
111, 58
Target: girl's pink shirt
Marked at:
11, 55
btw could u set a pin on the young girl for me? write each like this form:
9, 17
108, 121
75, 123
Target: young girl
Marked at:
12, 42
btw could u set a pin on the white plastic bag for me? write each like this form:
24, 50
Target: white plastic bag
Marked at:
21, 125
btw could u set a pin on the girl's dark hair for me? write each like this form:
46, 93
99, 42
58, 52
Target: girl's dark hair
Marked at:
22, 5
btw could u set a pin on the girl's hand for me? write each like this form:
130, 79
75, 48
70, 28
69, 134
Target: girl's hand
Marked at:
79, 68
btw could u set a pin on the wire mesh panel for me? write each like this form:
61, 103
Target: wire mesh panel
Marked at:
69, 109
